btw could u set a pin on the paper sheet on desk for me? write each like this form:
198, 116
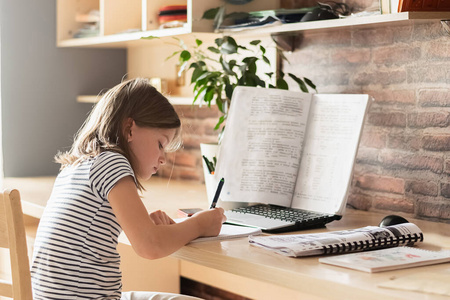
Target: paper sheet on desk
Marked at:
425, 282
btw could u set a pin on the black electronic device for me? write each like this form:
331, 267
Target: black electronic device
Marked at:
392, 220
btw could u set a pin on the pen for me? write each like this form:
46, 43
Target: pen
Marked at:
216, 196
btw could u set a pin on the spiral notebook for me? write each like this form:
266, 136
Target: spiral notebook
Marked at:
333, 242
388, 259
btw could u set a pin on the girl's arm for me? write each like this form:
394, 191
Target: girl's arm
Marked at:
155, 241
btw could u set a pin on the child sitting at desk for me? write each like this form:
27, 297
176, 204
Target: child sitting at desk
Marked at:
96, 195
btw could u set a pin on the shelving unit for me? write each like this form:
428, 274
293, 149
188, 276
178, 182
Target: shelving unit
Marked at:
122, 24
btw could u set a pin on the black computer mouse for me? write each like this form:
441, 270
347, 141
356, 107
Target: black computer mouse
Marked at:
392, 220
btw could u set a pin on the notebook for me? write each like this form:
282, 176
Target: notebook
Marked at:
287, 157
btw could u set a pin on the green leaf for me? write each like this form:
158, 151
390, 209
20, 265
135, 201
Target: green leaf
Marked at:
263, 50
282, 84
210, 14
221, 120
196, 74
209, 94
266, 60
300, 82
255, 42
172, 55
218, 41
213, 49
229, 90
229, 46
198, 42
150, 37
185, 55
310, 83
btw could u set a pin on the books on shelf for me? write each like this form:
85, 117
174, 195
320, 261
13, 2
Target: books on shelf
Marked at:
334, 242
388, 259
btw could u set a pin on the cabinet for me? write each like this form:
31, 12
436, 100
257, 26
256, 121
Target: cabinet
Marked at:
121, 24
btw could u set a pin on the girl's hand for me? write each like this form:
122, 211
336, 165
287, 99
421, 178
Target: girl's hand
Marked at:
161, 218
210, 221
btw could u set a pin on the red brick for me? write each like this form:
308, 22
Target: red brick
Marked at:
434, 97
380, 77
374, 138
447, 166
445, 190
395, 54
373, 37
394, 204
185, 158
393, 119
427, 31
428, 73
433, 209
426, 188
350, 55
436, 142
393, 96
404, 141
359, 201
438, 49
195, 111
367, 156
428, 119
381, 183
393, 160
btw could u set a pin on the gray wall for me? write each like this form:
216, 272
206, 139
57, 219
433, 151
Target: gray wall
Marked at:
40, 83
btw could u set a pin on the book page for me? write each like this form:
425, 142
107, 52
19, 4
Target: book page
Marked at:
388, 259
260, 152
331, 143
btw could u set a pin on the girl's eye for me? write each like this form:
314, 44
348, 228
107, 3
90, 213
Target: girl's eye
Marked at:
160, 145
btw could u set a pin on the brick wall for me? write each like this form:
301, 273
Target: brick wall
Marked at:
403, 163
197, 127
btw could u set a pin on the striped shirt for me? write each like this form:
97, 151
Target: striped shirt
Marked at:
75, 254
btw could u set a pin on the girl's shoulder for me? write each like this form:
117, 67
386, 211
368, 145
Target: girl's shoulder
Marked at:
109, 158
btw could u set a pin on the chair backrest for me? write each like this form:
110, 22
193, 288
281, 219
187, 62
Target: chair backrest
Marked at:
12, 236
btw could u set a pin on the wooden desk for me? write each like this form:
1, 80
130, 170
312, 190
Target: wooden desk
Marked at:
256, 273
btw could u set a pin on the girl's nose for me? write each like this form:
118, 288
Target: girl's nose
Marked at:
162, 159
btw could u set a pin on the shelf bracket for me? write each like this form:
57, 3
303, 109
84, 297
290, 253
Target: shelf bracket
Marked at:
288, 41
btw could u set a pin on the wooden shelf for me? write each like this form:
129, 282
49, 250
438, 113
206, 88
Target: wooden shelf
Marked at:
124, 40
366, 21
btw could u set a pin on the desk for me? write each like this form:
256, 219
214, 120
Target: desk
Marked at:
236, 266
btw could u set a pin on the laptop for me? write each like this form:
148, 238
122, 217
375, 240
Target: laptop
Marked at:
289, 167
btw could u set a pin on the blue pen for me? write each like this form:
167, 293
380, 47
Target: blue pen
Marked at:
216, 196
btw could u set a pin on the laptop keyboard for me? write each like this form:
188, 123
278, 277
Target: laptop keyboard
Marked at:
272, 218
281, 213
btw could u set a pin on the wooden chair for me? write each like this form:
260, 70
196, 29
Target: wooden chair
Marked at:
12, 236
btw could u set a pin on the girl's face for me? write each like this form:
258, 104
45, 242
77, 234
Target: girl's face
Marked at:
147, 145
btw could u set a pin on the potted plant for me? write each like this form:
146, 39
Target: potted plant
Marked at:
217, 70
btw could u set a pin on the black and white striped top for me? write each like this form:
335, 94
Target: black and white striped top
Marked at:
75, 254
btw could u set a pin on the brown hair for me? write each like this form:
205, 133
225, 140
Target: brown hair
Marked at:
103, 129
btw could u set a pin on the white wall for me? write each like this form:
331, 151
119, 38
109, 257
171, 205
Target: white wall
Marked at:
40, 83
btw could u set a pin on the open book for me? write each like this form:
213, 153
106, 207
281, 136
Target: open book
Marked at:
388, 259
290, 149
365, 238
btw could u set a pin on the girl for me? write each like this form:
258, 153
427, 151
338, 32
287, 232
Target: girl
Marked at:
96, 195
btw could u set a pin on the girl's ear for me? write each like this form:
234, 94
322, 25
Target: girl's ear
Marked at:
128, 127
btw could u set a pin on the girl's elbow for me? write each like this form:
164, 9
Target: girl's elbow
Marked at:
148, 252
